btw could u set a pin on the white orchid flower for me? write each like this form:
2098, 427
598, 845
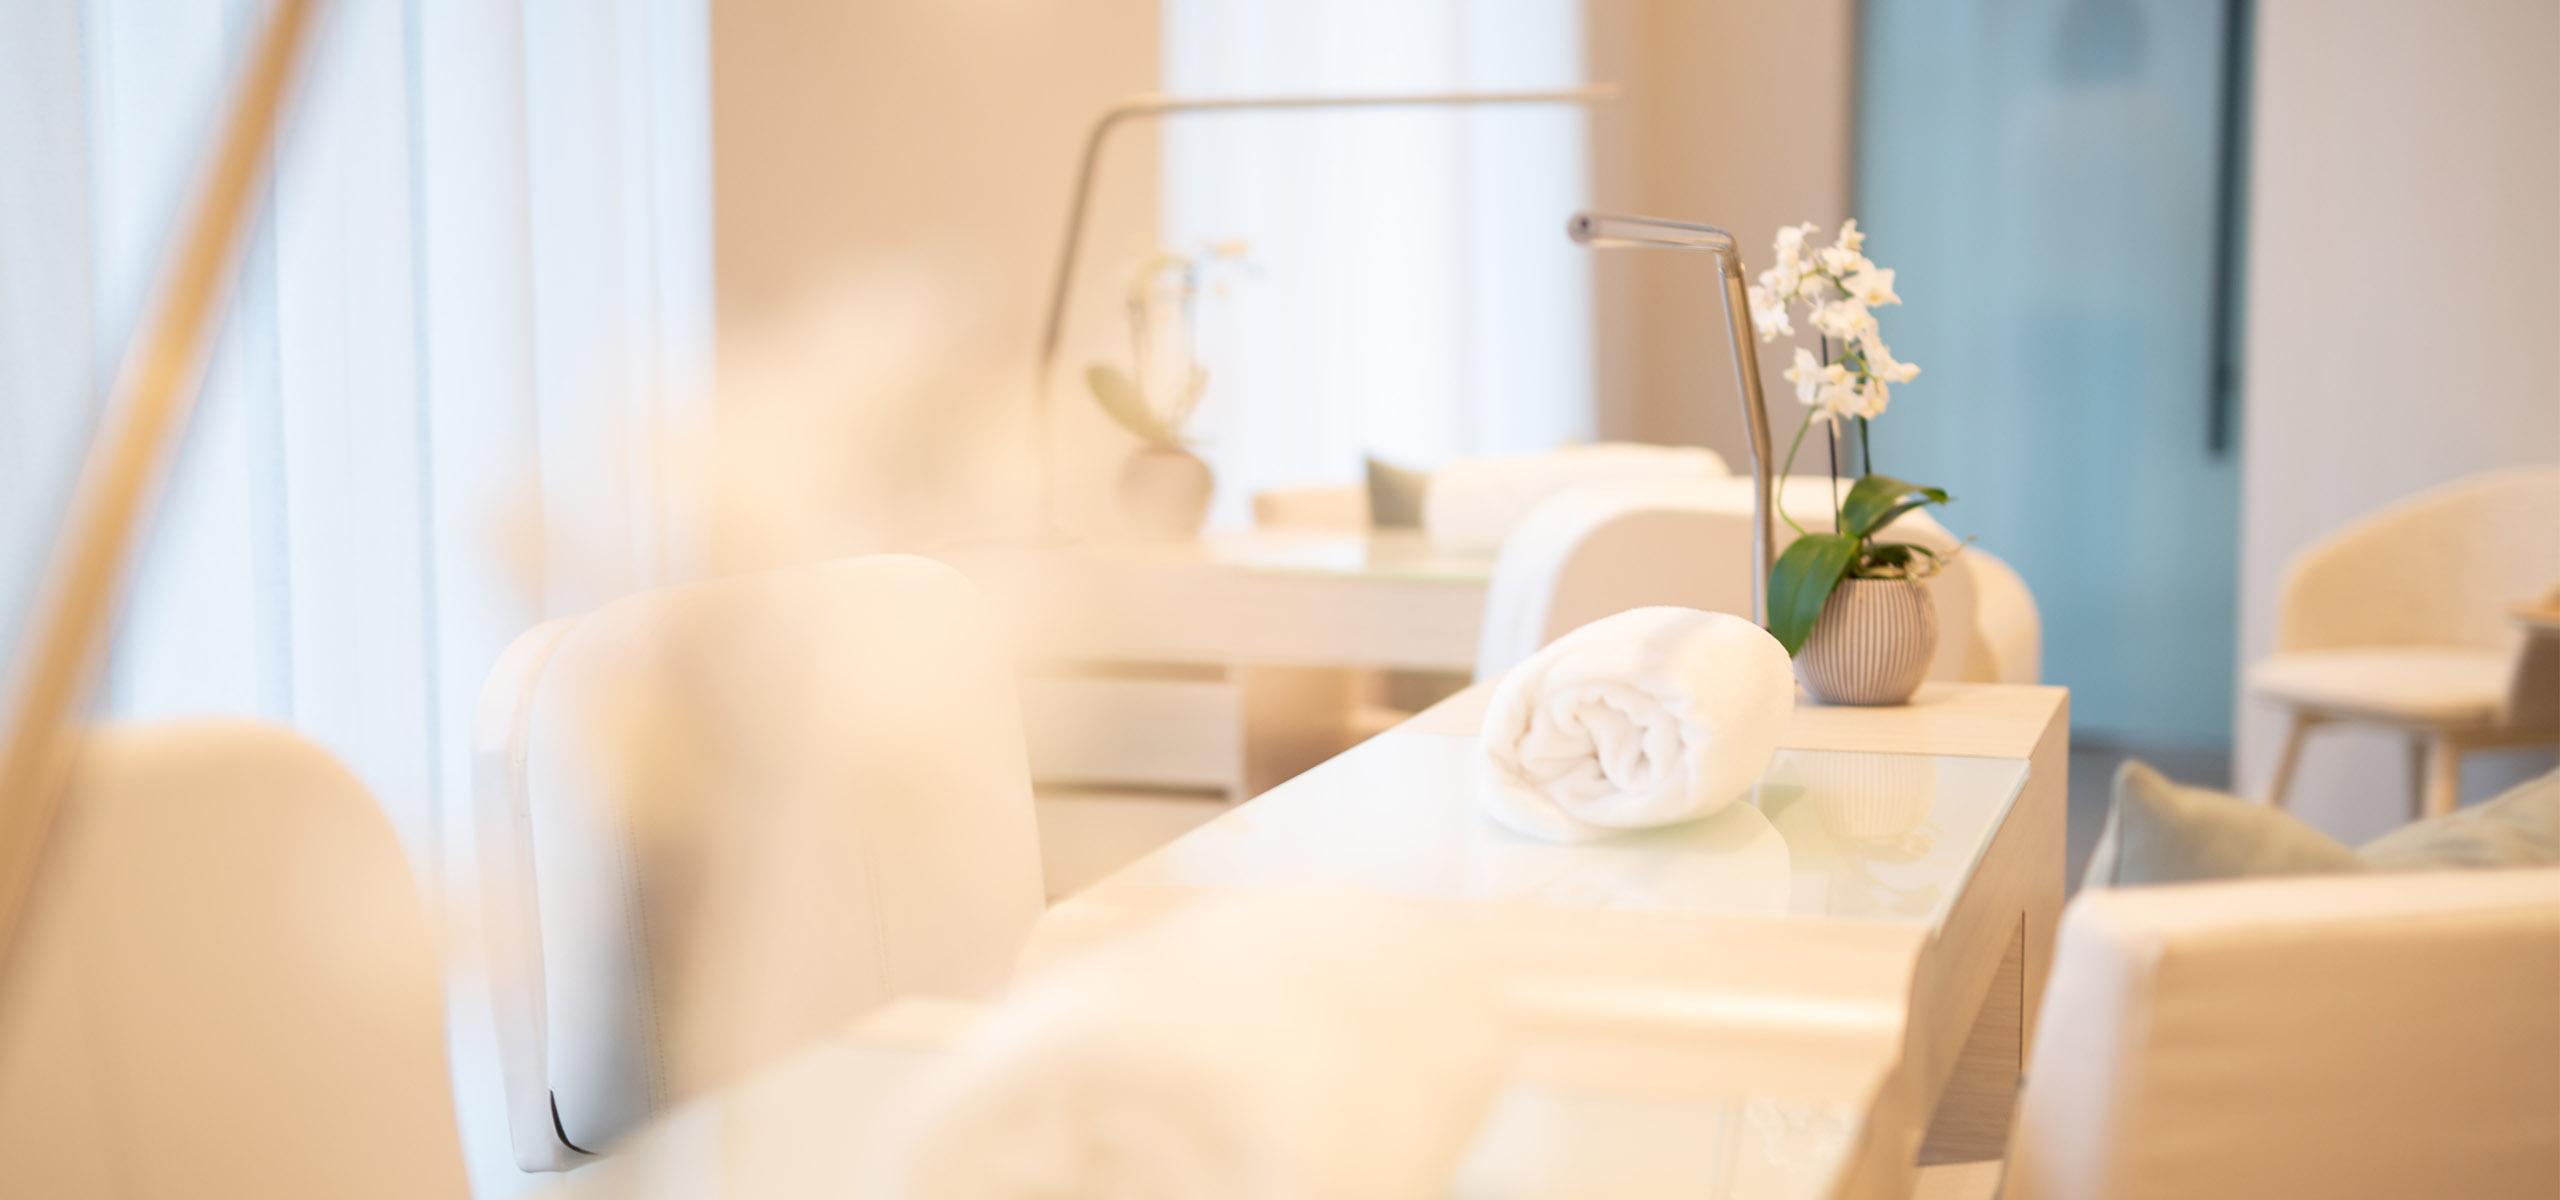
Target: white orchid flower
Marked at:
1790, 246
1784, 283
1841, 258
1839, 398
1806, 374
1841, 264
1872, 286
1844, 319
1815, 380
1871, 400
1880, 360
1769, 315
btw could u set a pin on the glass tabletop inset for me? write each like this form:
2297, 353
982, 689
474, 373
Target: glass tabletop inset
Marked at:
1859, 836
812, 1126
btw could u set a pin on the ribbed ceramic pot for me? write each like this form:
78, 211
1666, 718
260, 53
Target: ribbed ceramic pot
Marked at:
1165, 494
1872, 644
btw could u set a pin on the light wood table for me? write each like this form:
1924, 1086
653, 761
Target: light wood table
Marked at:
1387, 598
1804, 996
1221, 666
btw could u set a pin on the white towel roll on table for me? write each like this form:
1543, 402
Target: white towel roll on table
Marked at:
1649, 717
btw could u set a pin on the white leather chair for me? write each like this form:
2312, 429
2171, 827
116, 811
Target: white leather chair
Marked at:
225, 984
2349, 1037
2402, 620
717, 822
1604, 548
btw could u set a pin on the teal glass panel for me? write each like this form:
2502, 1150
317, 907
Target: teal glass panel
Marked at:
2049, 177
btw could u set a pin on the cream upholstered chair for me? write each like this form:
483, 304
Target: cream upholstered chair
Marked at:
2402, 620
225, 985
716, 822
1607, 547
2345, 1037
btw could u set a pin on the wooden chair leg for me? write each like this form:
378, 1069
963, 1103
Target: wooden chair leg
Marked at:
2444, 777
2297, 726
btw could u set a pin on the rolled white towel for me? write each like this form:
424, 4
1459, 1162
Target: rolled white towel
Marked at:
1649, 717
1279, 1046
1473, 503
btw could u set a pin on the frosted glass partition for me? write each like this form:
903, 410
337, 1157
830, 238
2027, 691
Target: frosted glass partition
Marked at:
1881, 837
2048, 178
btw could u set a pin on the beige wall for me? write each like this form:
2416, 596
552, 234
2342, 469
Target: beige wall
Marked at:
908, 140
1737, 114
2405, 186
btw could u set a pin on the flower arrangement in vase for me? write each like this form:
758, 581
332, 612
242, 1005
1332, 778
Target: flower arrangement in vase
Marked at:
1853, 610
1164, 488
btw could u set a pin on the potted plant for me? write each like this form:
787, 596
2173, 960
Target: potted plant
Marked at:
1854, 611
1164, 488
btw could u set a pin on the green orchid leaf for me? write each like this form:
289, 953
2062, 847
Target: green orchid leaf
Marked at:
1876, 500
1801, 581
1121, 398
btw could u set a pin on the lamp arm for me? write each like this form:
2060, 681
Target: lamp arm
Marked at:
1755, 419
1604, 231
1070, 246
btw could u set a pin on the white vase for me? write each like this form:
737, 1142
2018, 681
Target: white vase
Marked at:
1164, 493
1872, 644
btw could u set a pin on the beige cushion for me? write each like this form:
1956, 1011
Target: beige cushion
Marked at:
2433, 684
1395, 495
2161, 832
2520, 828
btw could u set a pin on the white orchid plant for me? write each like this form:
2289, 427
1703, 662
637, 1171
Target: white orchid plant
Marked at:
1846, 375
1156, 397
1840, 289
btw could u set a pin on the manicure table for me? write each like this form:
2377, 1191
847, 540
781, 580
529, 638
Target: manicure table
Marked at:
1220, 666
1805, 996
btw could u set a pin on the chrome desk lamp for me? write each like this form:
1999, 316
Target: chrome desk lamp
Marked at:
1602, 231
1153, 106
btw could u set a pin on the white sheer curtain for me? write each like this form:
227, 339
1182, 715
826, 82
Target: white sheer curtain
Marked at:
480, 287
1416, 296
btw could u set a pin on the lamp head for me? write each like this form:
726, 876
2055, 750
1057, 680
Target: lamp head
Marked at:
1608, 231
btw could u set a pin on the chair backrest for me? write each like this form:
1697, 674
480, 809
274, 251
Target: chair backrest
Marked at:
719, 821
2439, 568
2008, 630
226, 984
2347, 1037
1605, 548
